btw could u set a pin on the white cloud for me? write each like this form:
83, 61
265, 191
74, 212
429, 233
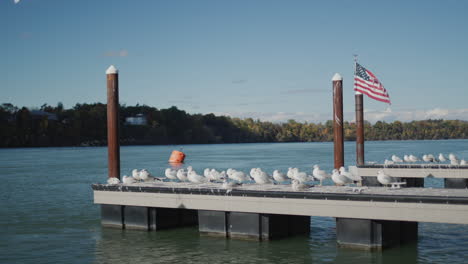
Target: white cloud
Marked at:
119, 53
16, 1
370, 115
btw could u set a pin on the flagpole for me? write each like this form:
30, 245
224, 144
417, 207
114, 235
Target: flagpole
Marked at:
359, 105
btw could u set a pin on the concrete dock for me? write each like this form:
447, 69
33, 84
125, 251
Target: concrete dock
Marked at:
365, 215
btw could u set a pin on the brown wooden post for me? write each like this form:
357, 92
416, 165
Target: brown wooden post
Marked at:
359, 128
113, 145
338, 120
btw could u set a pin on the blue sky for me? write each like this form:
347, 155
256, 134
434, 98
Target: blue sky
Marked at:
272, 60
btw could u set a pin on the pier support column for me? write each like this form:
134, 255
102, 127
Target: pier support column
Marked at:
456, 183
374, 234
113, 145
338, 139
146, 218
359, 128
112, 215
239, 225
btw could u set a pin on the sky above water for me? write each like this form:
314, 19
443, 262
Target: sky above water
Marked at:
272, 60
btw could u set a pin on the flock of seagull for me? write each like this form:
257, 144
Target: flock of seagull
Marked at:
232, 178
426, 158
299, 180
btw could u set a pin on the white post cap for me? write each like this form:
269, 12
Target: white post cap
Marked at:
337, 77
112, 70
358, 92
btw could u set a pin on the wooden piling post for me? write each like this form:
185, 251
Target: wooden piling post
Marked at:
338, 120
359, 128
113, 145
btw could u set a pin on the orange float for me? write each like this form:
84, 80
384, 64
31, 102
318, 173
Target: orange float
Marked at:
177, 157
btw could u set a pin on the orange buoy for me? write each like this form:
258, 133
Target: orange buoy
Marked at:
177, 157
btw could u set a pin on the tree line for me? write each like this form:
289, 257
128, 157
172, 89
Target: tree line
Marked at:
85, 125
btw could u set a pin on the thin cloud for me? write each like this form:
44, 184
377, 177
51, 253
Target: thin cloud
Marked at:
305, 91
16, 1
119, 53
371, 116
239, 81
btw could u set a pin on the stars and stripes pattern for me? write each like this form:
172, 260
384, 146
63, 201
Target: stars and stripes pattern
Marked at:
367, 83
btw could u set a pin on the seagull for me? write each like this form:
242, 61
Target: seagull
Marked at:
239, 176
128, 180
194, 177
279, 176
340, 179
216, 175
136, 174
428, 158
413, 158
463, 162
452, 157
146, 176
301, 176
171, 174
113, 180
388, 162
406, 158
298, 186
384, 178
182, 175
319, 174
260, 176
395, 158
290, 173
206, 173
442, 158
349, 174
454, 162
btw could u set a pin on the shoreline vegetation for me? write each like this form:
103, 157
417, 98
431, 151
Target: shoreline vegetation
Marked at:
85, 125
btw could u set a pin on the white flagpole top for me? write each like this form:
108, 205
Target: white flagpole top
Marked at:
112, 70
358, 92
337, 77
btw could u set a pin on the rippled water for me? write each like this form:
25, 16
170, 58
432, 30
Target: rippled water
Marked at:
47, 213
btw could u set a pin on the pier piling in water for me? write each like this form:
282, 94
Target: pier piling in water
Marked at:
359, 128
338, 120
113, 144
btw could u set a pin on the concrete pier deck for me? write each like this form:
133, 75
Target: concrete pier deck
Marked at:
378, 203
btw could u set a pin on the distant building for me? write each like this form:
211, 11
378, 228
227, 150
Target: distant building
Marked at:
138, 120
39, 114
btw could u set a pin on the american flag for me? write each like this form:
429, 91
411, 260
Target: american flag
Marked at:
365, 82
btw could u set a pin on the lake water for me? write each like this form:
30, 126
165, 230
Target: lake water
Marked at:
47, 213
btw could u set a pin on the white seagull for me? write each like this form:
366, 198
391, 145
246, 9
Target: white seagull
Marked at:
260, 176
279, 176
384, 178
388, 162
182, 175
298, 186
428, 158
290, 172
136, 174
442, 158
340, 179
319, 174
229, 185
463, 162
128, 180
194, 177
171, 174
113, 180
395, 158
146, 176
238, 176
413, 158
350, 175
406, 158
216, 175
301, 176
